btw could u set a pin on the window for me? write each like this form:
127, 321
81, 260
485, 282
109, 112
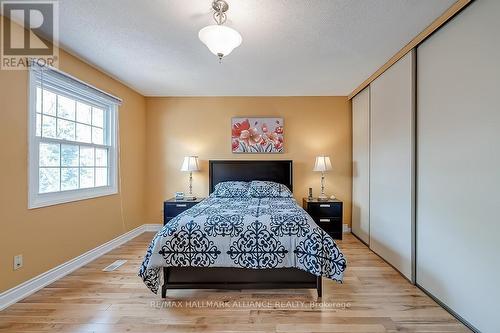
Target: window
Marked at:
72, 139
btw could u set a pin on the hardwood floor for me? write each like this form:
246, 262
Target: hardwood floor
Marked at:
373, 298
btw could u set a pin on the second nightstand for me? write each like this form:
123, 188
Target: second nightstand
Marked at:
327, 214
172, 207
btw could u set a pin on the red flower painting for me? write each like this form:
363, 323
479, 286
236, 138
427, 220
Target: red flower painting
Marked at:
257, 135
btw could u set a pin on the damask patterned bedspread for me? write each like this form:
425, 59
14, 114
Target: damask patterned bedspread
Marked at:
243, 232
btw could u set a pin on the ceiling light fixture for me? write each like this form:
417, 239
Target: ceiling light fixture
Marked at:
220, 39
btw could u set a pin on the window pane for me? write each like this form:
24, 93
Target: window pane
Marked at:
48, 180
86, 156
69, 179
66, 108
69, 155
38, 100
101, 157
83, 113
86, 177
49, 154
38, 125
65, 129
83, 133
49, 127
49, 103
97, 117
101, 177
97, 136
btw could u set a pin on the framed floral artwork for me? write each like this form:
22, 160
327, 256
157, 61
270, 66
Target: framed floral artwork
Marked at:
257, 135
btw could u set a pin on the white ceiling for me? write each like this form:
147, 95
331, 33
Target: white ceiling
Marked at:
290, 47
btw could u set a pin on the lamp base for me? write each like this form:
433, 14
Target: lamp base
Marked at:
322, 197
189, 198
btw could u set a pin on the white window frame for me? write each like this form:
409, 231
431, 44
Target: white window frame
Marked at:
80, 91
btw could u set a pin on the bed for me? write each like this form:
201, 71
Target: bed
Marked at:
242, 242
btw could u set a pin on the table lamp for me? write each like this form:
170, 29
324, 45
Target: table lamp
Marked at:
190, 164
322, 165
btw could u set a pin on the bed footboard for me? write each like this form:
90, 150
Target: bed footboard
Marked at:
238, 278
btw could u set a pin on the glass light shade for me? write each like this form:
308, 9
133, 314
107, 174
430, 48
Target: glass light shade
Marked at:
219, 39
322, 164
190, 163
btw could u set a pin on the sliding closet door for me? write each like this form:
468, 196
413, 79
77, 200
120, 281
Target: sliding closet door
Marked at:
458, 140
361, 165
392, 164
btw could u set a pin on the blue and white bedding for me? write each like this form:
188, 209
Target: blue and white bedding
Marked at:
244, 232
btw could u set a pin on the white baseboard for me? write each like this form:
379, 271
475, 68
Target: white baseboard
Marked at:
27, 288
346, 229
152, 227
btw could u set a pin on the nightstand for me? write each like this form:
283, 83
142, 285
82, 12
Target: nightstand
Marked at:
327, 214
172, 207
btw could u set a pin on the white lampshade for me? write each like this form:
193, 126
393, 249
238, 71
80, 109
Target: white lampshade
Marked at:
190, 163
219, 39
322, 164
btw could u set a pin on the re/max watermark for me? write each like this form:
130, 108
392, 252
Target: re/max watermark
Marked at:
162, 304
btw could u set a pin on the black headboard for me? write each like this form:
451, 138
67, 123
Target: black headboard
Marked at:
276, 171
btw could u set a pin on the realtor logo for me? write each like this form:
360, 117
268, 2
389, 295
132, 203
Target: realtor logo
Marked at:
29, 34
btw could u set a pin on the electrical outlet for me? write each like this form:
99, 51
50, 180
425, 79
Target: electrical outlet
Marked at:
18, 261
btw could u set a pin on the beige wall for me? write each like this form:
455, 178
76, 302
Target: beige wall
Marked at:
181, 126
50, 236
